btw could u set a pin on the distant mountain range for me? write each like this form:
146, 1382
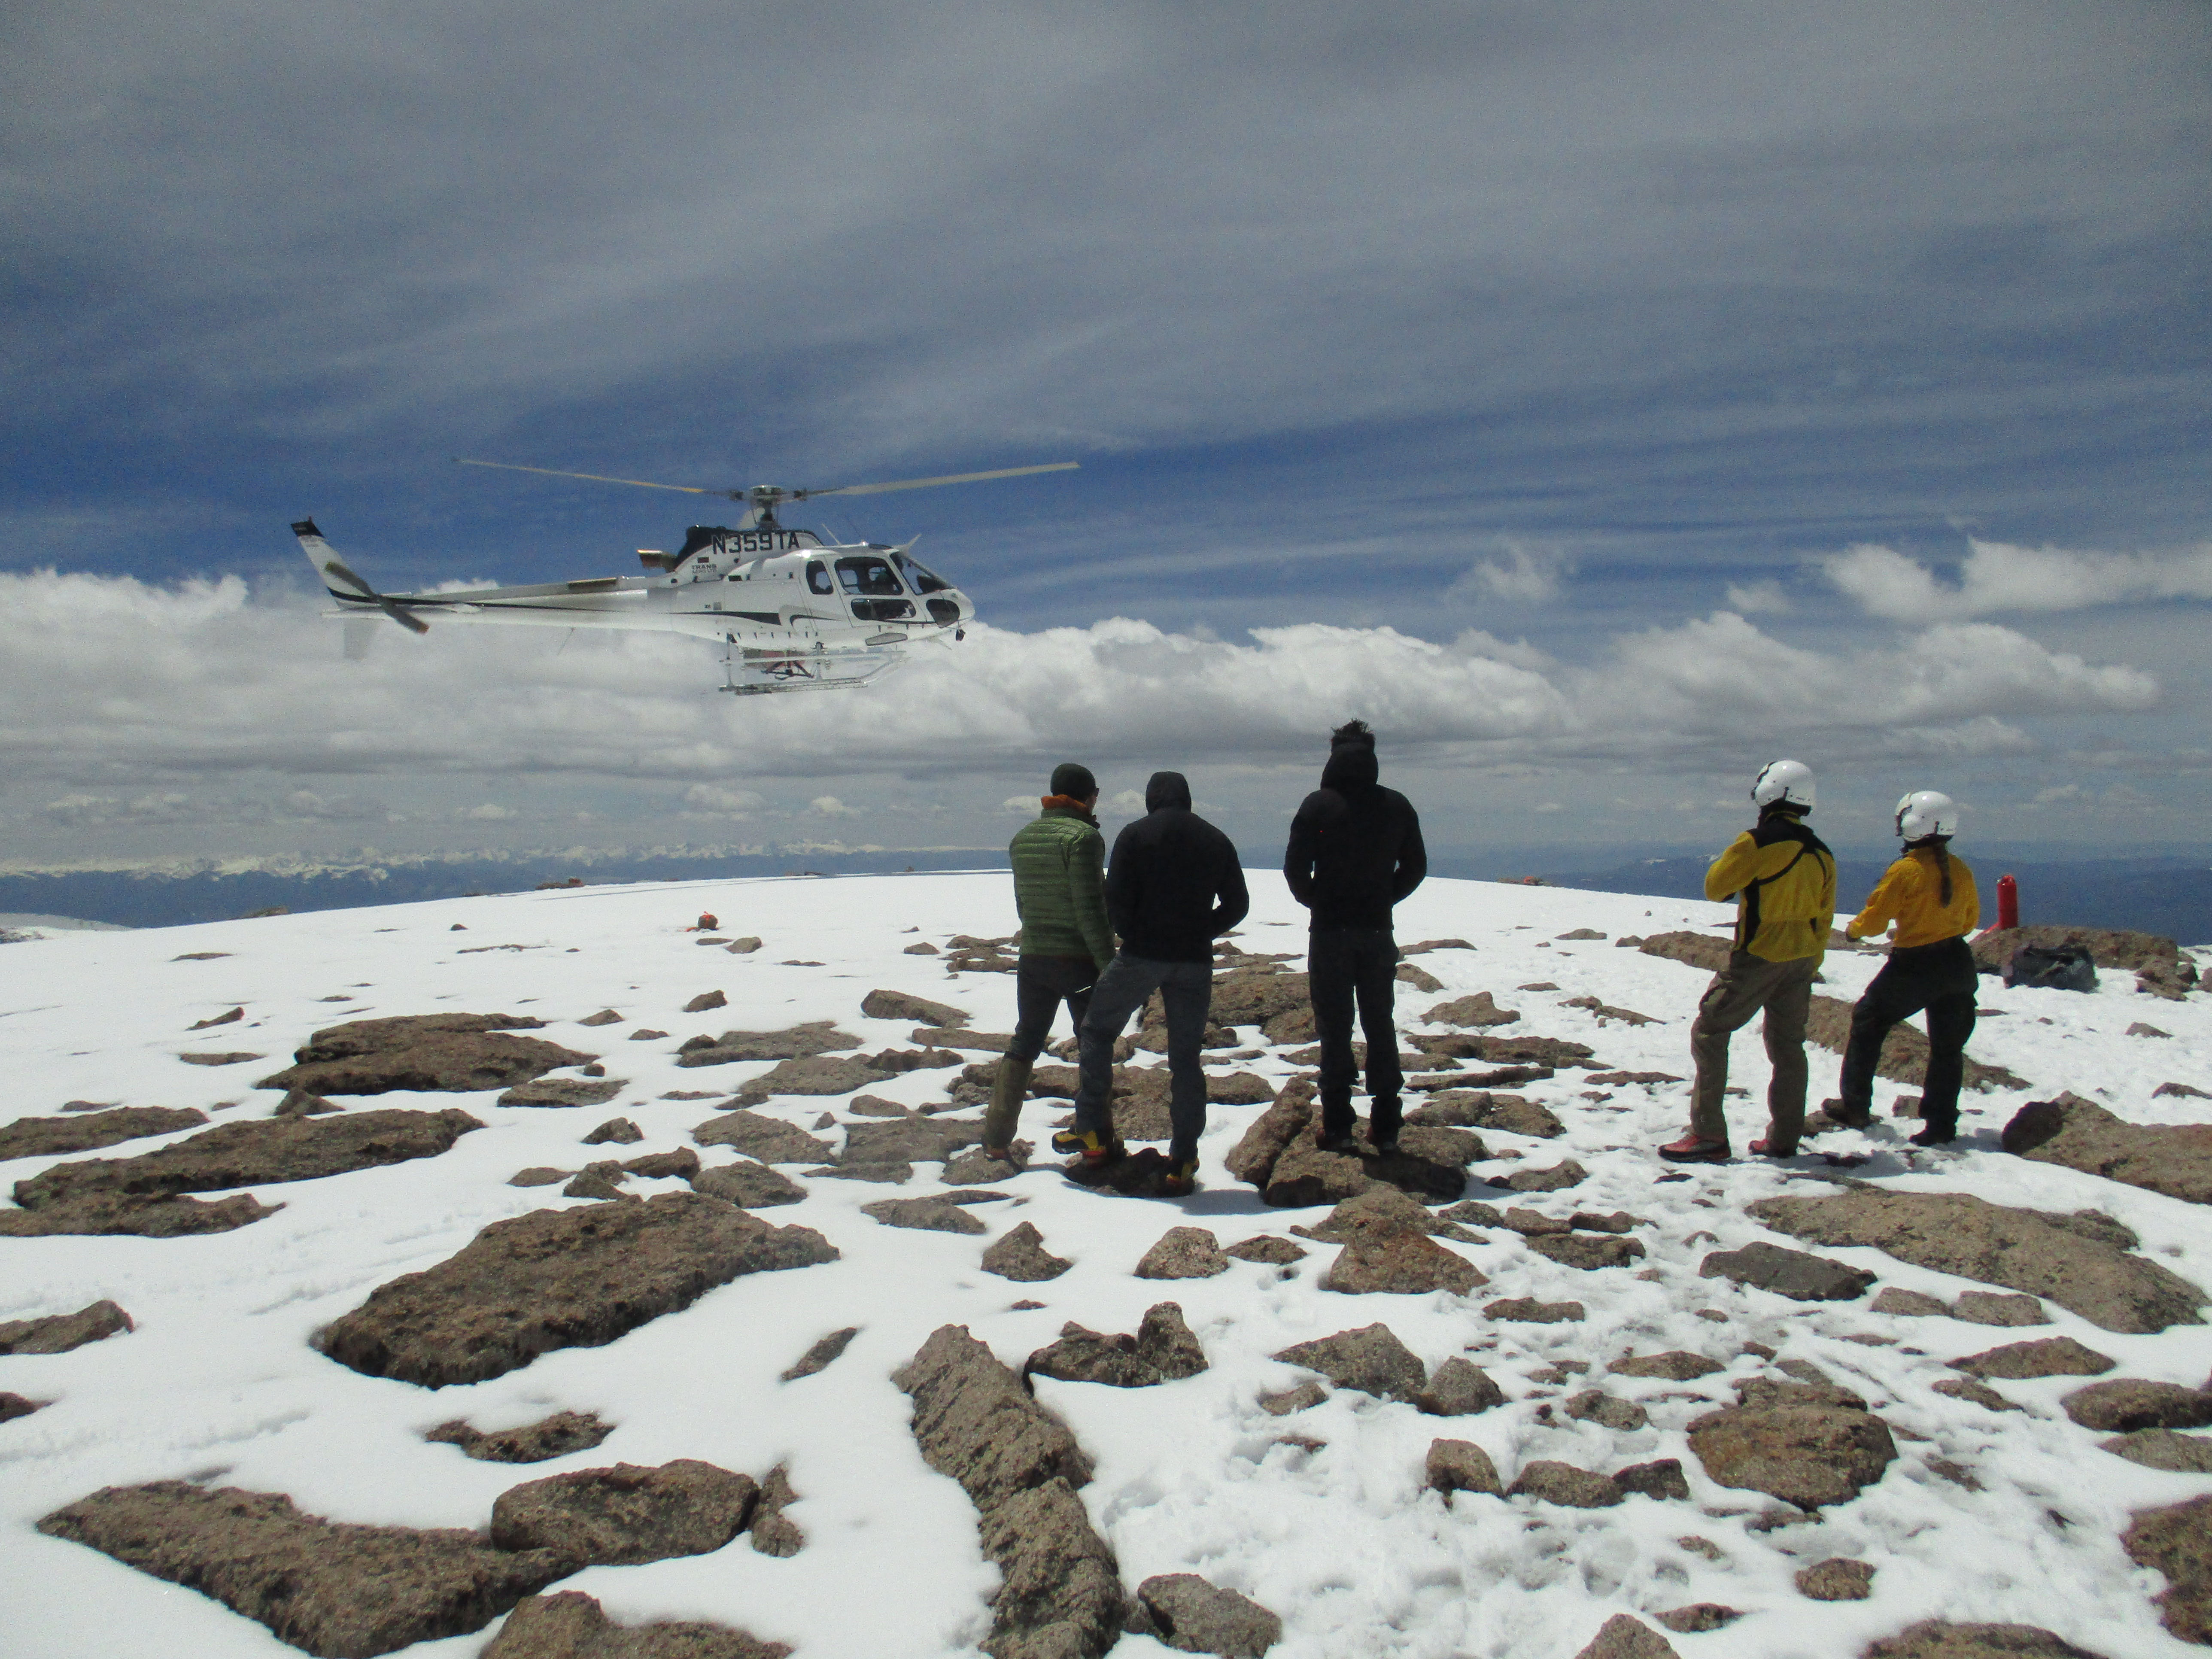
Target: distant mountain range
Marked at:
2169, 894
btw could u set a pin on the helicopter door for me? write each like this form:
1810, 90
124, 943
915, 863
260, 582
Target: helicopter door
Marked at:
872, 588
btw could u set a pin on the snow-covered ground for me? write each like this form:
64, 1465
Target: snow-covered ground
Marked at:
218, 1379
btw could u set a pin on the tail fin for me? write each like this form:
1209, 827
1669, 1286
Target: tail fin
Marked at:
342, 584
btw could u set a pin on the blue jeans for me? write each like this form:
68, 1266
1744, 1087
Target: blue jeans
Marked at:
1185, 990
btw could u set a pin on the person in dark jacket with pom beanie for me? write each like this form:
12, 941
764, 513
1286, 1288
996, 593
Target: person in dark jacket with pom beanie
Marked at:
1355, 851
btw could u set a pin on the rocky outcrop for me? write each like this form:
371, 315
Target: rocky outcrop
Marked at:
1479, 1011
1399, 1262
815, 1036
626, 1514
1677, 1366
748, 1185
2175, 1159
1527, 1310
50, 1137
1161, 1350
147, 1217
534, 1442
1187, 1613
1461, 1466
2125, 1404
2071, 1260
769, 1140
1836, 1579
1370, 1359
335, 1589
821, 1355
2054, 1356
902, 1005
454, 1052
2162, 1449
2151, 955
1812, 1454
1515, 1115
1936, 1638
1623, 1637
1707, 952
62, 1332
262, 1151
1793, 1273
2177, 1541
925, 1214
1904, 1051
558, 1278
1183, 1252
1020, 1467
1019, 1255
812, 1075
1459, 1388
569, 1625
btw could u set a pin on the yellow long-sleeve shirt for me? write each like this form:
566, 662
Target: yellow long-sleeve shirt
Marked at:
1784, 889
1911, 894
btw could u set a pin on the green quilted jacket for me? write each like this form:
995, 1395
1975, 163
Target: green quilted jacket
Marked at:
1060, 886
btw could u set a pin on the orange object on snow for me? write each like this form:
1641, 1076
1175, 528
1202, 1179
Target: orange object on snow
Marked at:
706, 922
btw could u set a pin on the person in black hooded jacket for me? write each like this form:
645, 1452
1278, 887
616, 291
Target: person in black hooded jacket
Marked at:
1355, 851
1174, 887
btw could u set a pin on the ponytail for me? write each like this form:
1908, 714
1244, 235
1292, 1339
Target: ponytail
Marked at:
1939, 845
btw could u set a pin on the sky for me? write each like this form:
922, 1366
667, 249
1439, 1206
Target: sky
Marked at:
1600, 399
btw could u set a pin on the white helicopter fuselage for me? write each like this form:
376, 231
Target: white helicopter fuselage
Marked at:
791, 611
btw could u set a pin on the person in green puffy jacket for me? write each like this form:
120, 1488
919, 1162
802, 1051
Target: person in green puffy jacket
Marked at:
1060, 894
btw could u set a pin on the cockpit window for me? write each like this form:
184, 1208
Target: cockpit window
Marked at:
818, 577
922, 581
867, 574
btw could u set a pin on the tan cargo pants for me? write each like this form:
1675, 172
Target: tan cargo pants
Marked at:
1746, 985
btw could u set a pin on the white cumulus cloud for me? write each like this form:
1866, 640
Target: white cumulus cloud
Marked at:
1998, 576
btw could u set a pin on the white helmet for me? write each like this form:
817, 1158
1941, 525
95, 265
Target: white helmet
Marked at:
1784, 783
1927, 813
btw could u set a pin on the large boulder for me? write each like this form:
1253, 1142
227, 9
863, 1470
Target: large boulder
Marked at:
62, 1332
1252, 1159
1398, 1260
2064, 1260
50, 1137
2124, 1404
1812, 1455
1515, 1115
2150, 954
626, 1514
569, 1625
454, 1052
2050, 1356
1183, 1252
904, 1005
748, 1185
332, 1589
1478, 1010
249, 1154
558, 1278
1707, 952
1192, 1616
1624, 1638
1370, 1359
1020, 1253
2175, 1159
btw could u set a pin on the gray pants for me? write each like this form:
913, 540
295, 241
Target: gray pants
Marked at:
1187, 990
1746, 985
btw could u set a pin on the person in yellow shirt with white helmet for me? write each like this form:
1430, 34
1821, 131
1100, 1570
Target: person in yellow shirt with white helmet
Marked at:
1928, 897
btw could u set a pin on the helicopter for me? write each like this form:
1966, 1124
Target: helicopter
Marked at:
791, 611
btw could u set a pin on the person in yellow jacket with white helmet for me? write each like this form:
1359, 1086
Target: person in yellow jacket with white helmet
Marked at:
1930, 896
1782, 878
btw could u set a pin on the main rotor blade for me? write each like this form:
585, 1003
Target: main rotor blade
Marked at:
927, 483
643, 483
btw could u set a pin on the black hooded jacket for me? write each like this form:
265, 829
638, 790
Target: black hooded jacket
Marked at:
1355, 846
1176, 884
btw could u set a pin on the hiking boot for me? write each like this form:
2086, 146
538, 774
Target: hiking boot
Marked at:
1690, 1149
1341, 1140
1848, 1117
1181, 1176
1088, 1143
1385, 1146
1936, 1134
1770, 1149
1008, 1089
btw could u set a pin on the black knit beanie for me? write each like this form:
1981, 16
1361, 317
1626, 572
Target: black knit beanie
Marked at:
1073, 781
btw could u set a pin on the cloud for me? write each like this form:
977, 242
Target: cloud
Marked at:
1525, 575
489, 812
829, 806
109, 681
1756, 598
712, 800
1998, 576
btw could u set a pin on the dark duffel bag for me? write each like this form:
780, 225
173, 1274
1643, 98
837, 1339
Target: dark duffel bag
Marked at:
2053, 967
